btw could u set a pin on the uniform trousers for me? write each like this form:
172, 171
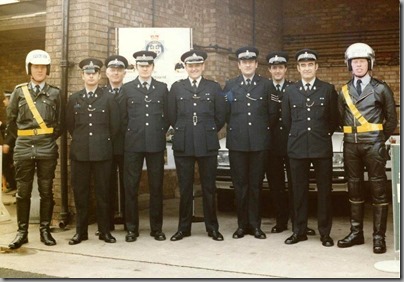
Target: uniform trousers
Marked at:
300, 171
282, 199
117, 191
247, 171
133, 163
185, 166
81, 181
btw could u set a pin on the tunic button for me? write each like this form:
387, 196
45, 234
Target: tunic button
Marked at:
147, 106
248, 104
90, 124
91, 134
194, 104
308, 99
308, 118
147, 114
249, 114
90, 115
280, 118
249, 123
309, 128
308, 109
280, 128
147, 124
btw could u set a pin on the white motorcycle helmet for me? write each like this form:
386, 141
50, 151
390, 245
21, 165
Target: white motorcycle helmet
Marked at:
37, 57
359, 50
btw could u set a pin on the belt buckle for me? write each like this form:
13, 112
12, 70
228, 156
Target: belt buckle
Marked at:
35, 131
195, 119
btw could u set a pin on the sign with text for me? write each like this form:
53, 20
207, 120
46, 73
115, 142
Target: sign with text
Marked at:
168, 43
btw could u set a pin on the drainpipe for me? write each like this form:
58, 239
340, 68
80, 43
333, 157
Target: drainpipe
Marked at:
64, 64
253, 22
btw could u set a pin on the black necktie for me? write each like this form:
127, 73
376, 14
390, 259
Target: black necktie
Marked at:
248, 82
90, 94
194, 85
116, 91
278, 88
358, 86
145, 85
307, 87
37, 89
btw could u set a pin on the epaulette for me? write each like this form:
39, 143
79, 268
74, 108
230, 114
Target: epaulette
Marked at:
21, 85
378, 80
53, 86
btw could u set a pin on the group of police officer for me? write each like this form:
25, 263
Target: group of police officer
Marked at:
271, 124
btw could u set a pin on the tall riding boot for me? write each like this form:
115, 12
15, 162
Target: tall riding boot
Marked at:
355, 237
23, 209
45, 213
379, 227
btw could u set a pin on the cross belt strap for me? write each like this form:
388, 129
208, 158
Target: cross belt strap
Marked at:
365, 125
37, 131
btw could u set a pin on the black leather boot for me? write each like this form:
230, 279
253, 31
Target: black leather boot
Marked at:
23, 208
45, 217
379, 228
355, 237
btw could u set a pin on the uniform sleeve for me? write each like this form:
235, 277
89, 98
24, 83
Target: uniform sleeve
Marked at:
165, 108
69, 118
334, 113
60, 124
12, 113
273, 107
286, 118
220, 108
172, 105
389, 111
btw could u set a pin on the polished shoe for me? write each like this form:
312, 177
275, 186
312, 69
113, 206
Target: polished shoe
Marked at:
216, 235
77, 238
158, 235
19, 240
295, 239
379, 244
131, 236
310, 231
47, 238
179, 235
327, 241
259, 234
278, 228
239, 233
351, 240
107, 237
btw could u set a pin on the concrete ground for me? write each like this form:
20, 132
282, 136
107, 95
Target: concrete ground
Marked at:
197, 256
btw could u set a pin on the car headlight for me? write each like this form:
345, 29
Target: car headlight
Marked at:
223, 158
338, 159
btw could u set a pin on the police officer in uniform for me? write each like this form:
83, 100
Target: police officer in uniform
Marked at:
248, 133
368, 116
278, 160
146, 125
116, 69
92, 119
196, 111
34, 124
310, 114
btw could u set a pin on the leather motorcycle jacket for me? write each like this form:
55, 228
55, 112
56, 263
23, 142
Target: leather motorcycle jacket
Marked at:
376, 105
20, 118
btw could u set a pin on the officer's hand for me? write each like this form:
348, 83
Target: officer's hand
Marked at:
6, 149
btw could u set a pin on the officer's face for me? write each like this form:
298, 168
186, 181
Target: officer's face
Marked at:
38, 73
115, 75
91, 79
307, 69
195, 70
247, 67
359, 67
145, 71
6, 101
278, 72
